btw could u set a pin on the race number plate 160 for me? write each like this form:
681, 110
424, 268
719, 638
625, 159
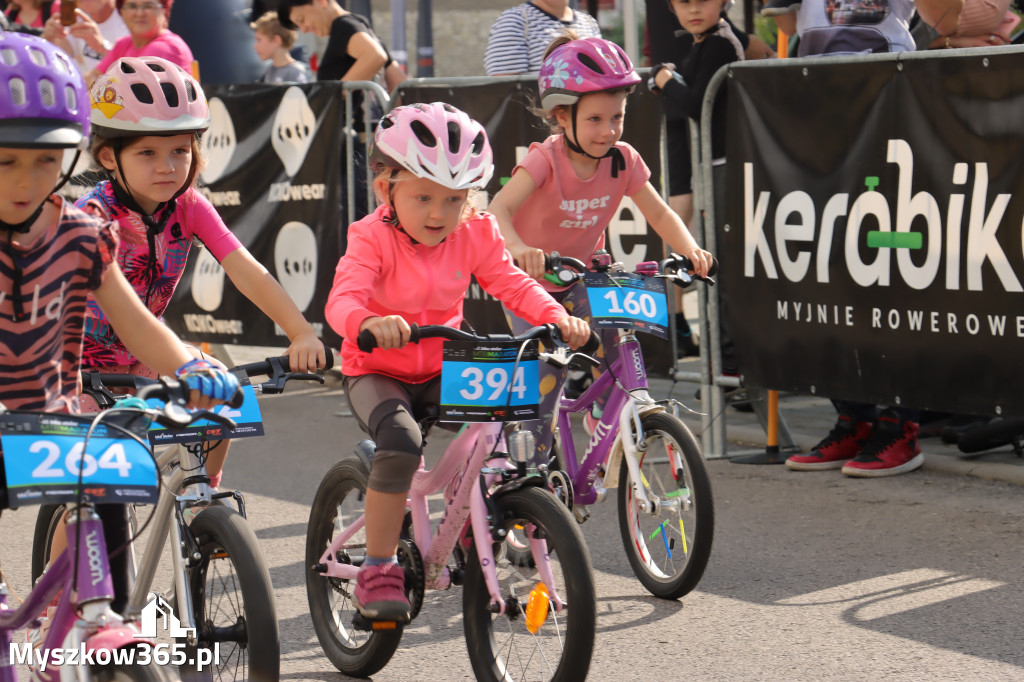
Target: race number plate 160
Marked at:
45, 453
627, 301
483, 383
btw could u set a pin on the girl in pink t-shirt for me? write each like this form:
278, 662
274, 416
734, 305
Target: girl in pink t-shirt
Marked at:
567, 189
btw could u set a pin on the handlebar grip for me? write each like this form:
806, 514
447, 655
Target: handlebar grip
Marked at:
237, 399
591, 346
367, 341
329, 357
713, 270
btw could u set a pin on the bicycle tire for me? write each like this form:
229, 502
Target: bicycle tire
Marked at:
500, 646
231, 574
650, 539
995, 434
339, 500
130, 673
47, 520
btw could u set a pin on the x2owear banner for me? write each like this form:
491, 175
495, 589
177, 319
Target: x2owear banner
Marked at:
871, 234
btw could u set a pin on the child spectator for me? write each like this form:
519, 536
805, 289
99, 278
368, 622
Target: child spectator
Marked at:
274, 42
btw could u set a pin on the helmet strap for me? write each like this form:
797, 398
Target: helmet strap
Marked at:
618, 162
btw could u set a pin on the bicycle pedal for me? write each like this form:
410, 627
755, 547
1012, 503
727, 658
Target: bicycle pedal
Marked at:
361, 622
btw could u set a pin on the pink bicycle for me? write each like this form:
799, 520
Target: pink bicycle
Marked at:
523, 616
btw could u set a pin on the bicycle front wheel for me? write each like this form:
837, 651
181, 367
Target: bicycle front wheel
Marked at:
669, 545
502, 647
233, 599
339, 502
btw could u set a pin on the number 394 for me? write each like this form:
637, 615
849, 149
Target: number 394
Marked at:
496, 379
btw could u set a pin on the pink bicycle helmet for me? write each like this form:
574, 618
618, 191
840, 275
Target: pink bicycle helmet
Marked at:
580, 67
147, 96
435, 141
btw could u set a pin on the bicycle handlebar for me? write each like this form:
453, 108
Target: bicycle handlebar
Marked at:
367, 342
568, 270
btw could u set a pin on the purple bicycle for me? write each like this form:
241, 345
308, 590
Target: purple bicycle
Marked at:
639, 445
80, 461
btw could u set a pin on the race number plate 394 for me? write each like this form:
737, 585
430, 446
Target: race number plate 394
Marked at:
44, 454
627, 301
483, 382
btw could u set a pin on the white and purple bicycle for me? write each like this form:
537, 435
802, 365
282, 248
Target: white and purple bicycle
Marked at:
666, 505
527, 615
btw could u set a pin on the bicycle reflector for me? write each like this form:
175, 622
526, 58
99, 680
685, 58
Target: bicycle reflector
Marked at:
537, 608
521, 445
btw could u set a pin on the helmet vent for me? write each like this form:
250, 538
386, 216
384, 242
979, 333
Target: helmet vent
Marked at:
387, 122
449, 108
37, 56
423, 134
127, 68
142, 93
70, 98
47, 93
18, 94
156, 67
170, 94
9, 57
62, 64
454, 137
588, 62
190, 91
478, 144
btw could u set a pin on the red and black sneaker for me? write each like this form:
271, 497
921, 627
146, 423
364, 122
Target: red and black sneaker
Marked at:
891, 450
837, 448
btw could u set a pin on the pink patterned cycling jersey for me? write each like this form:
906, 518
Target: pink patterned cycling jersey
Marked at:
194, 218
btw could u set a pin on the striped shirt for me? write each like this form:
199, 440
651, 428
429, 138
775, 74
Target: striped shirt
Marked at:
40, 353
521, 34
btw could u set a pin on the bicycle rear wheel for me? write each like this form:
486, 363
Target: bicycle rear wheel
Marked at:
501, 647
339, 502
668, 547
233, 599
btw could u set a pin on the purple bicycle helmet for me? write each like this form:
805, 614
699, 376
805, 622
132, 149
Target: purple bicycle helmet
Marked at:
580, 67
45, 103
437, 142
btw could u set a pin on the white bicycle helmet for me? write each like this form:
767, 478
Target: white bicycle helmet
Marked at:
437, 142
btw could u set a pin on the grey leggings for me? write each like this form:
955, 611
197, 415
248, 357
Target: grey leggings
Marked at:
387, 409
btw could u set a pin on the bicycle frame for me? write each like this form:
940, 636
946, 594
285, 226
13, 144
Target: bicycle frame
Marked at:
465, 508
614, 427
95, 592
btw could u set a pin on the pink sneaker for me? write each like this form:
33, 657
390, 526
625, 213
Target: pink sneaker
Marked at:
380, 593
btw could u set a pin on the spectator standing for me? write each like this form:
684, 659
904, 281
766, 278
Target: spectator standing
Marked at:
148, 36
92, 36
520, 35
31, 14
274, 42
865, 442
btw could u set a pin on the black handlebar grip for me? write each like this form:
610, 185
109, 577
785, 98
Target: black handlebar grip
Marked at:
366, 341
328, 357
591, 346
237, 399
713, 270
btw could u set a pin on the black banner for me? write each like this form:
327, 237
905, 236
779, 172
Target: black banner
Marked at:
871, 239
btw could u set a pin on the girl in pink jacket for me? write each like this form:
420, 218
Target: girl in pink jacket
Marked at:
410, 261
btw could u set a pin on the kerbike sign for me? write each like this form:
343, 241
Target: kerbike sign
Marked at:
876, 252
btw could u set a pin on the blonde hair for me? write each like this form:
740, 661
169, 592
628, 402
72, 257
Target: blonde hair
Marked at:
476, 199
270, 25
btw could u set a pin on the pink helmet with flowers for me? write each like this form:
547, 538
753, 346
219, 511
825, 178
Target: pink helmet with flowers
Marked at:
147, 96
580, 67
437, 142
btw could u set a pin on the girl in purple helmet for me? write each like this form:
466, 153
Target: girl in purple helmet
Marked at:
52, 255
566, 190
410, 261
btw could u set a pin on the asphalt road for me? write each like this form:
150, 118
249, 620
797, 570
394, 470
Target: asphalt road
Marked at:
813, 576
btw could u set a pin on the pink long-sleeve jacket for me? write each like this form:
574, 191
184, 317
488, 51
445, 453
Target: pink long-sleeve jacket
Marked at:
384, 272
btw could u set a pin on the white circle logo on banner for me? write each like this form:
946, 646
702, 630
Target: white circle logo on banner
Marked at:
207, 282
293, 129
219, 142
295, 260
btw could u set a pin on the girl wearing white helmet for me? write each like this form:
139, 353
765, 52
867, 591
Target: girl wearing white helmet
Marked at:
567, 189
147, 117
410, 261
